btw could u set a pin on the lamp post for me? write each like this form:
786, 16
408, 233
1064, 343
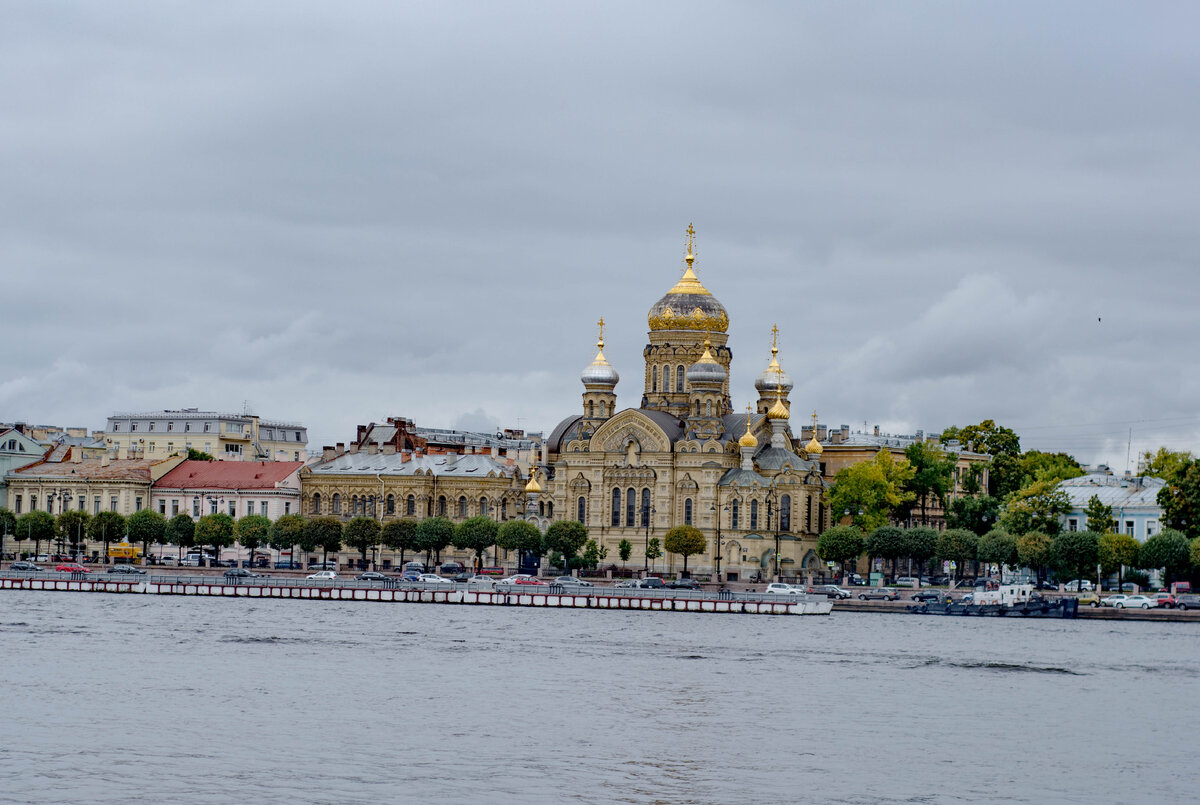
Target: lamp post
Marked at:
717, 514
647, 516
770, 511
65, 497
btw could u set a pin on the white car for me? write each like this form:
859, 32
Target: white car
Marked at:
778, 588
1078, 585
433, 578
1113, 600
1137, 602
324, 575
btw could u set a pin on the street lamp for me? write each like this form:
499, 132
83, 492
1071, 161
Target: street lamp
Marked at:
647, 516
770, 509
717, 513
64, 495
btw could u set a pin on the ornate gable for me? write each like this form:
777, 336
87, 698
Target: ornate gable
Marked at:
630, 426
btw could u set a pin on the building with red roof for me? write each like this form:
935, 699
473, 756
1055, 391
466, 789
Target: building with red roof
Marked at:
238, 488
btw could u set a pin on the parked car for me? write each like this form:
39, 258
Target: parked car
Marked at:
907, 581
288, 564
417, 566
684, 584
879, 593
828, 590
410, 575
1129, 587
71, 567
1186, 601
1112, 600
572, 581
1047, 585
241, 573
371, 575
855, 579
1088, 600
450, 568
1077, 585
24, 567
327, 565
1137, 602
324, 575
630, 583
778, 588
128, 570
1164, 600
934, 596
433, 578
652, 583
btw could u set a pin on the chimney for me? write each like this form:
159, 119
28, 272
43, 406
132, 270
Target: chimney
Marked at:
372, 448
389, 449
845, 432
122, 453
76, 455
328, 453
1128, 475
353, 447
876, 430
104, 459
405, 456
451, 459
822, 432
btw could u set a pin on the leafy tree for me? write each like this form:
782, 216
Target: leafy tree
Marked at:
434, 534
400, 535
1168, 549
181, 530
146, 526
198, 455
324, 533
106, 527
1034, 550
252, 531
986, 437
71, 527
1164, 463
476, 534
933, 475
1194, 553
1099, 517
37, 526
566, 537
841, 544
957, 545
1180, 498
624, 550
887, 542
999, 547
521, 536
979, 514
287, 533
1037, 507
215, 530
8, 526
920, 543
871, 490
362, 534
591, 554
310, 539
1038, 466
653, 550
1074, 553
1115, 552
685, 540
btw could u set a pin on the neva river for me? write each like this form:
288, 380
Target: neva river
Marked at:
126, 698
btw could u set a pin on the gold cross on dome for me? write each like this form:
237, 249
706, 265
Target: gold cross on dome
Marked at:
814, 423
691, 247
774, 338
601, 326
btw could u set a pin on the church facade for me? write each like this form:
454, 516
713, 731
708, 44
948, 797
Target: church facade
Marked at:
685, 457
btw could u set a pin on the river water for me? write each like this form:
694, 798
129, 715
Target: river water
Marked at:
125, 698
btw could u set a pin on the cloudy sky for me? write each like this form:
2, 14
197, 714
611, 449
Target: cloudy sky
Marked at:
333, 213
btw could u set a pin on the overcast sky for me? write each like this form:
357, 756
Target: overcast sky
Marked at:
333, 213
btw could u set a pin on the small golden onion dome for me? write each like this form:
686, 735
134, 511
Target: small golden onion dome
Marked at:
748, 440
813, 448
533, 485
779, 410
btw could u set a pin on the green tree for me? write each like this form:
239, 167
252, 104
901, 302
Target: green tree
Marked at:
870, 490
979, 514
957, 545
685, 540
1180, 498
287, 533
215, 530
986, 437
1115, 552
252, 531
1194, 553
1037, 507
920, 544
400, 535
37, 526
520, 536
841, 544
434, 534
146, 526
181, 531
1034, 550
567, 537
888, 543
1074, 553
653, 550
624, 550
1164, 463
591, 554
1168, 549
362, 534
1038, 466
1099, 517
106, 527
71, 527
998, 547
933, 476
476, 534
324, 533
8, 527
198, 455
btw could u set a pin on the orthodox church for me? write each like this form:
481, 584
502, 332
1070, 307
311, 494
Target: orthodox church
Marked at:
684, 456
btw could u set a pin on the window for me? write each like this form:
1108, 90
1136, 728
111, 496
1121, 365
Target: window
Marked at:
354, 504
462, 506
708, 407
262, 508
82, 502
808, 512
116, 427
133, 426
1129, 527
337, 503
391, 504
550, 509
287, 507
96, 505
687, 512
733, 515
410, 505
754, 515
297, 438
483, 507
316, 503
295, 455
645, 508
616, 507
679, 378
17, 504
504, 510
170, 448
441, 506
33, 503
1072, 524
249, 507
151, 447
233, 448
162, 507
206, 426
112, 503
150, 427
195, 507
629, 506
174, 507
212, 506
654, 378
170, 427
187, 427
581, 509
137, 504
233, 508
785, 513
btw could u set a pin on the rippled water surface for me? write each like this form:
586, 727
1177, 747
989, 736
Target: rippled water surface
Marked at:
124, 698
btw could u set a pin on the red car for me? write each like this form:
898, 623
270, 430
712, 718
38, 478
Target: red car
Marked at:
521, 579
71, 567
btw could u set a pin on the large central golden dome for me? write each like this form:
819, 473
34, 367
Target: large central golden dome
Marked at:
689, 305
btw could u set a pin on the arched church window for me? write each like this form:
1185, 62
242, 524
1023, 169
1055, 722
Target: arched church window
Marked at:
708, 407
785, 513
733, 515
654, 378
630, 505
410, 505
354, 504
462, 506
337, 503
550, 509
754, 515
370, 505
591, 412
316, 504
616, 507
687, 512
504, 510
581, 509
483, 507
441, 506
541, 508
679, 378
391, 504
645, 507
697, 408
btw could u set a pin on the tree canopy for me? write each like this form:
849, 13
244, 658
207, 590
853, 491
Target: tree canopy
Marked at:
36, 526
1180, 498
198, 455
1099, 517
1164, 463
1037, 507
476, 534
322, 532
625, 550
215, 530
986, 437
1115, 551
252, 532
685, 540
8, 521
998, 547
957, 545
1034, 550
871, 490
400, 535
841, 544
181, 530
886, 542
1074, 553
106, 527
520, 536
566, 537
362, 534
434, 534
932, 478
71, 525
979, 514
146, 526
1169, 550
286, 532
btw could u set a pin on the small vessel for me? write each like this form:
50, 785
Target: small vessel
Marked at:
1002, 600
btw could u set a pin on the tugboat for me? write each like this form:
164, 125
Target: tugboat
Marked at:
1002, 600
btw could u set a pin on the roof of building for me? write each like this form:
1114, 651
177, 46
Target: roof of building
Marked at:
1113, 490
228, 474
193, 413
775, 458
471, 465
134, 469
740, 477
863, 439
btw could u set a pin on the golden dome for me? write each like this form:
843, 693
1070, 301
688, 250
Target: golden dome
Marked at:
813, 448
533, 485
779, 410
689, 305
748, 439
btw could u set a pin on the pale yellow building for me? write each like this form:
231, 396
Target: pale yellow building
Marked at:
225, 437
